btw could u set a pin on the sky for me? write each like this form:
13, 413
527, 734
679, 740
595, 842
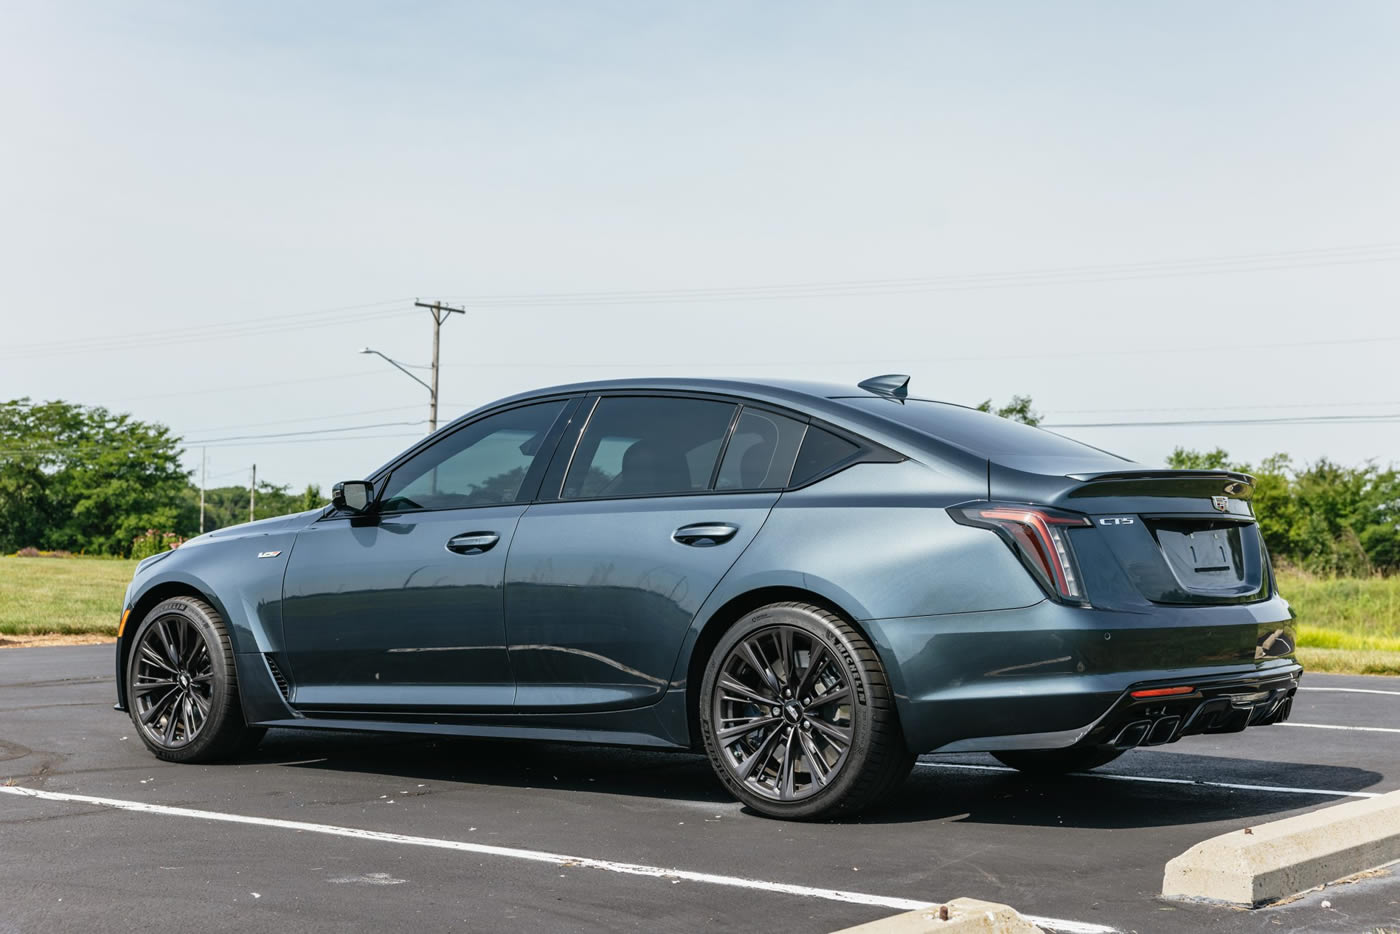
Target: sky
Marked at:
1129, 212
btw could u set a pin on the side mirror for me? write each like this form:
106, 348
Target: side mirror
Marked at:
352, 495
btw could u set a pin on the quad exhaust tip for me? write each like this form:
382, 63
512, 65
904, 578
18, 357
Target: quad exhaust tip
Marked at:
1225, 714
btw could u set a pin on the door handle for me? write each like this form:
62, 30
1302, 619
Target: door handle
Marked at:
472, 543
705, 534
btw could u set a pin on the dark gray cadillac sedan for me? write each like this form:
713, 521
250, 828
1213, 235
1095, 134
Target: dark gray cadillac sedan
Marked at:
812, 583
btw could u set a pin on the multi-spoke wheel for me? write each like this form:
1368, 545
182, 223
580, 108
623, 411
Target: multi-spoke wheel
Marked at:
182, 689
172, 686
797, 716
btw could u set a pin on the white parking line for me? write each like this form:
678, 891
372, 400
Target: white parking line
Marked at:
1329, 726
1111, 776
538, 856
1352, 690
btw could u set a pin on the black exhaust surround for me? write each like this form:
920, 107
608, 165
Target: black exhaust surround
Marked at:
1221, 708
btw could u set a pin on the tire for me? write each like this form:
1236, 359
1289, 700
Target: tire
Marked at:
1058, 761
775, 763
182, 686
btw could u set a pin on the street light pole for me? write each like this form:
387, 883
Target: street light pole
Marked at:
403, 368
440, 313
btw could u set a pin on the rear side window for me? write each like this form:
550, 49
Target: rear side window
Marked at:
821, 451
640, 445
761, 452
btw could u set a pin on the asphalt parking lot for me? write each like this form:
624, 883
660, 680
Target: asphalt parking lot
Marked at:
337, 832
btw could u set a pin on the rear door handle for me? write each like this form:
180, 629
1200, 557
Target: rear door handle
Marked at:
472, 543
705, 534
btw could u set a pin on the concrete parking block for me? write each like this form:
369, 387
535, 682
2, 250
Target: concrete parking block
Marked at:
1267, 862
960, 916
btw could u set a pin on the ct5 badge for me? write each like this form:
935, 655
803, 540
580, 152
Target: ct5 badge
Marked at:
268, 554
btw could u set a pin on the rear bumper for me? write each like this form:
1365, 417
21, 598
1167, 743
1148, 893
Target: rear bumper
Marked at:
1226, 704
1051, 676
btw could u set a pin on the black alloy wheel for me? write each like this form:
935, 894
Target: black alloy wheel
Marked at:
172, 685
797, 717
182, 687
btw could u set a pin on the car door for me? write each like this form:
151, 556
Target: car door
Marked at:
401, 609
661, 496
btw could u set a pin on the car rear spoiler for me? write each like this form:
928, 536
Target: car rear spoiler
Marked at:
1166, 474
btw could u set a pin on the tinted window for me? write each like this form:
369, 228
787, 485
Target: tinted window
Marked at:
636, 445
979, 432
761, 452
482, 464
821, 450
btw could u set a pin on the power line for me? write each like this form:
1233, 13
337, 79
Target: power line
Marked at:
1259, 262
306, 418
972, 358
189, 335
281, 318
1250, 262
79, 449
192, 391
294, 434
1231, 408
317, 440
1284, 420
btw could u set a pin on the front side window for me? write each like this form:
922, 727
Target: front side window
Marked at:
640, 446
483, 464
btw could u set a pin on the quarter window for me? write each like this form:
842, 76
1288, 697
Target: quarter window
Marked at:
639, 445
483, 464
821, 451
761, 452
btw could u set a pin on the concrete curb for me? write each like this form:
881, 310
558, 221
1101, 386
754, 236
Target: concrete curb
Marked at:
960, 916
1270, 861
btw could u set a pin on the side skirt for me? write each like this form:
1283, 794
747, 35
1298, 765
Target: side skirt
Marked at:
554, 734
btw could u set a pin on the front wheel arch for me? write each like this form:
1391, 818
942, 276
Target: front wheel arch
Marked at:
148, 601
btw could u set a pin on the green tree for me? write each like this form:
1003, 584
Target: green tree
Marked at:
311, 498
1182, 459
84, 478
1325, 517
1018, 410
228, 505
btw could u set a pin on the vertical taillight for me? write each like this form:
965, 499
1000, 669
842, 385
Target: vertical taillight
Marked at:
1039, 536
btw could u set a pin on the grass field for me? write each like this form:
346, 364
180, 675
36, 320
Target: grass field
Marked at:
62, 595
1345, 624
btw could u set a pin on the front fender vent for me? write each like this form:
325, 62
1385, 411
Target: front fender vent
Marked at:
282, 686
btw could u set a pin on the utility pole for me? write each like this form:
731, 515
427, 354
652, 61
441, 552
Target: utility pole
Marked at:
440, 313
253, 493
203, 476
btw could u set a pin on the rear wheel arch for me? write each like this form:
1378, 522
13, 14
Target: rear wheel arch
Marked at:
720, 622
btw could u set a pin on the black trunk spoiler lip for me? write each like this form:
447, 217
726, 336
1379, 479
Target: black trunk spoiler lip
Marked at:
1165, 474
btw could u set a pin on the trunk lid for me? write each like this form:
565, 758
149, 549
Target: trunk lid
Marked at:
1184, 537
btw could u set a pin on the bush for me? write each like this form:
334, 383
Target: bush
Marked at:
1323, 518
152, 542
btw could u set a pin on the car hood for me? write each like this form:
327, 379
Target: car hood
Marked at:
290, 523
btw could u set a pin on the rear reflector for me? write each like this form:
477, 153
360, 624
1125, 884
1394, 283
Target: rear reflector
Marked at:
1164, 692
1039, 536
